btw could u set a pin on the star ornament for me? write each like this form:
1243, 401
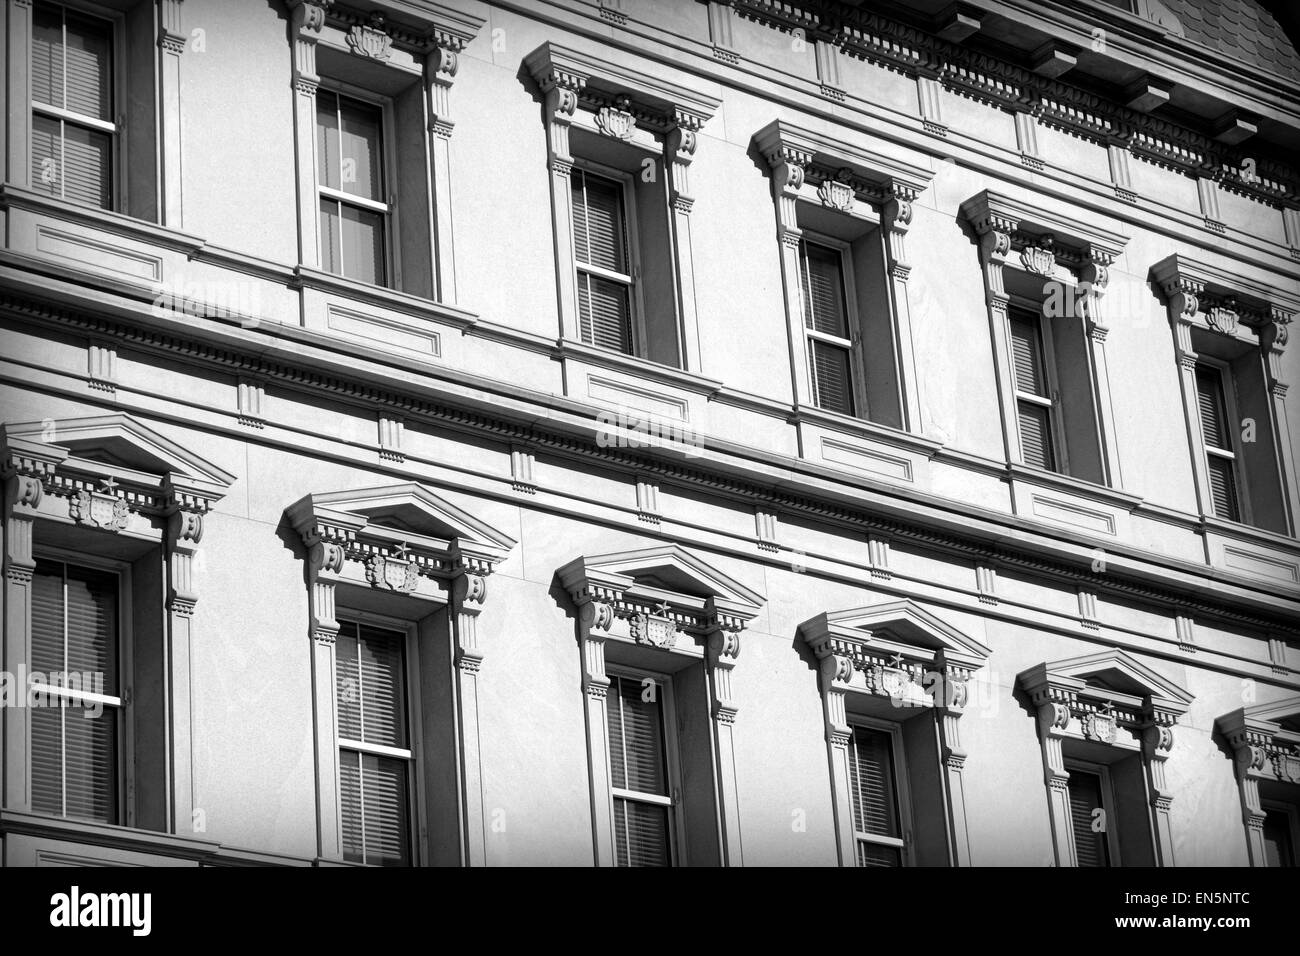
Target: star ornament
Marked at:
897, 661
400, 550
110, 484
664, 608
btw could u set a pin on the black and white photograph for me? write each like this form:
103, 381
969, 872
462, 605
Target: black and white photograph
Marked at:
689, 434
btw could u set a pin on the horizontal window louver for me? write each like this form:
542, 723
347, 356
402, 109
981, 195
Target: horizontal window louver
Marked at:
599, 230
832, 378
1027, 355
1085, 797
74, 756
1036, 435
71, 70
1210, 399
823, 290
372, 708
1223, 487
604, 309
875, 807
640, 834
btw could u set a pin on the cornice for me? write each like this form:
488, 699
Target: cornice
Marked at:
990, 210
869, 171
914, 51
266, 361
601, 79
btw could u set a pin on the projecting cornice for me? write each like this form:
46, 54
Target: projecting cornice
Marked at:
603, 81
416, 27
935, 50
1030, 225
874, 176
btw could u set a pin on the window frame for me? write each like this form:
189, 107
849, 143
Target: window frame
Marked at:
125, 776
1228, 383
117, 177
388, 210
1109, 804
902, 794
668, 712
414, 722
1292, 815
852, 321
637, 338
1052, 401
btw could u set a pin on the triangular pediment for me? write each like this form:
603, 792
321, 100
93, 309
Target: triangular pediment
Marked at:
670, 569
118, 441
1107, 674
407, 509
903, 622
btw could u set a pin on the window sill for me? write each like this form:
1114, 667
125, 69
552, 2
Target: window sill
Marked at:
305, 277
639, 367
130, 839
17, 197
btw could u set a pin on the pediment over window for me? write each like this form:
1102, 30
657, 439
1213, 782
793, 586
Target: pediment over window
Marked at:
900, 650
630, 95
1266, 739
872, 176
668, 584
1226, 302
1110, 683
111, 458
402, 525
1042, 237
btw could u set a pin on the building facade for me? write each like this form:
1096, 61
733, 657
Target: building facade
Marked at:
439, 432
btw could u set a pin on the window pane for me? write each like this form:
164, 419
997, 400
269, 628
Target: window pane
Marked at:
347, 682
1036, 435
47, 759
87, 166
385, 812
47, 149
1027, 354
331, 238
90, 749
641, 834
1085, 797
874, 854
88, 63
92, 624
598, 222
327, 139
359, 145
636, 738
350, 805
1214, 417
604, 312
832, 379
47, 55
823, 290
363, 245
1223, 488
383, 687
871, 773
47, 617
1278, 850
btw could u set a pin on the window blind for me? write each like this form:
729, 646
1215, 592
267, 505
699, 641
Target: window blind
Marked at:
832, 380
1085, 797
823, 290
72, 155
1210, 399
1027, 355
600, 241
638, 764
1035, 434
353, 204
871, 772
74, 630
371, 704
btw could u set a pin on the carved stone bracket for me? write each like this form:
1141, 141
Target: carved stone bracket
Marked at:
1263, 750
